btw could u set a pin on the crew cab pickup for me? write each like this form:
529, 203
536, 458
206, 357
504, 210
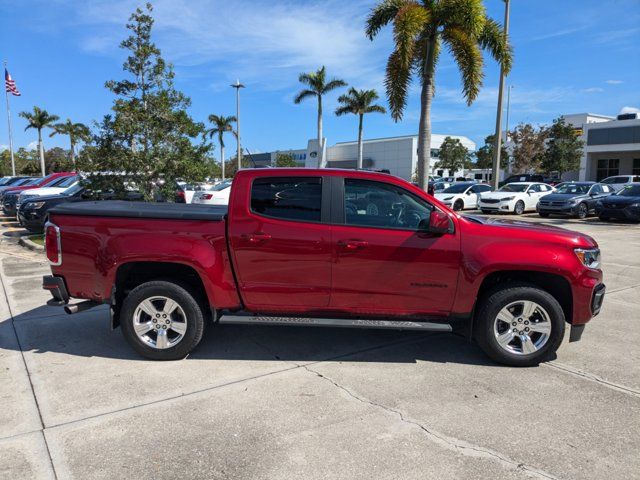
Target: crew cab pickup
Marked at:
326, 248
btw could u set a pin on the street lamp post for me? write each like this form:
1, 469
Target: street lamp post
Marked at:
506, 128
498, 134
238, 86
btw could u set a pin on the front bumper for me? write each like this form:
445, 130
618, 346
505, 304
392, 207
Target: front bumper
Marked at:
627, 213
57, 288
557, 209
31, 219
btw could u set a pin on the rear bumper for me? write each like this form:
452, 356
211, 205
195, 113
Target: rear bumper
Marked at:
57, 288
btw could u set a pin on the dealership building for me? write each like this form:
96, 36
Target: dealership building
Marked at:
398, 155
611, 145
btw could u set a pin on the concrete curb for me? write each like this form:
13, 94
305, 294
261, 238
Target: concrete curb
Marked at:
27, 243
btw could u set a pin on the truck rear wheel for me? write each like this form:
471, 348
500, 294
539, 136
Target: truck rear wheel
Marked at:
161, 320
519, 325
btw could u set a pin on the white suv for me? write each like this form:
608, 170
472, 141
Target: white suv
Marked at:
620, 181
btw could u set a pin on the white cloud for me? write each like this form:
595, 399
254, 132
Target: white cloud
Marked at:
32, 145
559, 33
592, 90
624, 110
263, 41
613, 82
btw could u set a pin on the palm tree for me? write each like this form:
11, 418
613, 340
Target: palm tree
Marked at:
318, 86
75, 131
39, 119
221, 125
359, 102
420, 28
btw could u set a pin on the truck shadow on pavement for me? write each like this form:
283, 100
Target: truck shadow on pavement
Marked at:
88, 334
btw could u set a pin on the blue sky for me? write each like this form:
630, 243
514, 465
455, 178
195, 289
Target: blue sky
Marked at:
570, 56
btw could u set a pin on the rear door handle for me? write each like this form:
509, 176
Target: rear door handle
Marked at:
255, 237
352, 244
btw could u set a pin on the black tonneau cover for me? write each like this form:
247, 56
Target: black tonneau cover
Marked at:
115, 208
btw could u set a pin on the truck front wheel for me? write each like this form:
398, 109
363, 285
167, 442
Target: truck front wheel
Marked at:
519, 325
161, 320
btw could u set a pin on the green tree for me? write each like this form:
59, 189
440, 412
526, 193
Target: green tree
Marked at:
76, 132
453, 156
317, 87
528, 147
149, 139
221, 125
285, 160
564, 148
484, 155
39, 119
359, 102
420, 28
57, 159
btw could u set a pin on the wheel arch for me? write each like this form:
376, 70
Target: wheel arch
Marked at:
554, 284
131, 274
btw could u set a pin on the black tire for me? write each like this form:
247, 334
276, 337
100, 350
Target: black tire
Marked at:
496, 300
486, 212
583, 211
177, 293
458, 205
604, 218
543, 215
518, 209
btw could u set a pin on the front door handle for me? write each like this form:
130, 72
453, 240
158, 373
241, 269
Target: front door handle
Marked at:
352, 244
256, 237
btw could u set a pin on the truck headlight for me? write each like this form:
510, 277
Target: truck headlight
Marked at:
507, 199
590, 257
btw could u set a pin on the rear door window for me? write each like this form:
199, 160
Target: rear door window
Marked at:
288, 198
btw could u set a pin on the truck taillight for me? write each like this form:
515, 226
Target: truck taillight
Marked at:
52, 244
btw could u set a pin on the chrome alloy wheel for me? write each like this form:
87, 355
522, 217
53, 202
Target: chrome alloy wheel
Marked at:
159, 322
522, 327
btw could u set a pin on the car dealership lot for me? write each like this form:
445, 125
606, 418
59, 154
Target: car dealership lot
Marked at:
290, 402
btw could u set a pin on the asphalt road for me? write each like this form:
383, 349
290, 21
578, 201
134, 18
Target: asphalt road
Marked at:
289, 402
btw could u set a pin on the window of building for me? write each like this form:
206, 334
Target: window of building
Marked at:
375, 204
288, 198
607, 168
636, 166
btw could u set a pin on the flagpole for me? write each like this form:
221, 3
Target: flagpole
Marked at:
6, 96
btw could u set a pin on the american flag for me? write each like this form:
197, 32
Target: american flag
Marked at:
10, 84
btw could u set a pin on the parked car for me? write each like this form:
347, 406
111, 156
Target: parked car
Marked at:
56, 188
438, 186
292, 249
523, 177
34, 211
515, 198
463, 195
577, 199
625, 204
10, 197
16, 182
620, 181
184, 193
218, 195
10, 180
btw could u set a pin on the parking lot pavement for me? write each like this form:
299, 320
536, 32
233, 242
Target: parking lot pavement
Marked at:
284, 402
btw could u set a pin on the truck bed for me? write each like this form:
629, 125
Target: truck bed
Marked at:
116, 208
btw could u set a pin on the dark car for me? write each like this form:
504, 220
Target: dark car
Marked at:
34, 211
623, 205
523, 177
577, 199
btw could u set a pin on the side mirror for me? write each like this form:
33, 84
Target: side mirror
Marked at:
469, 192
438, 223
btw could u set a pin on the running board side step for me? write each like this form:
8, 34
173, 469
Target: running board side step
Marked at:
335, 322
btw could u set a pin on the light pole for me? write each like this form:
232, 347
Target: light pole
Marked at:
498, 134
506, 128
238, 86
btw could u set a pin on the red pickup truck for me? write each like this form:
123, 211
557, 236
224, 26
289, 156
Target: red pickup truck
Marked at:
323, 247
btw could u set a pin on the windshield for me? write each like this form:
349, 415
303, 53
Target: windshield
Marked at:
514, 187
73, 190
630, 191
573, 188
5, 180
459, 188
221, 186
65, 182
32, 181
